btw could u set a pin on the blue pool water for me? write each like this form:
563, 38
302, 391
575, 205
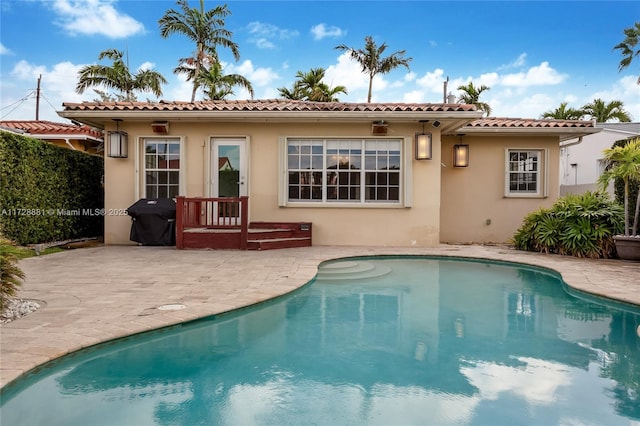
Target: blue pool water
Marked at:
387, 340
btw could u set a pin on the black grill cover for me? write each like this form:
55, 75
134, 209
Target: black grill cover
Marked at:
153, 221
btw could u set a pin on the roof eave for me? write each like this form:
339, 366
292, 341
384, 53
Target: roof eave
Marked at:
99, 118
564, 133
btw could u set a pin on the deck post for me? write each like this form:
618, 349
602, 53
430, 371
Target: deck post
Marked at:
244, 222
180, 222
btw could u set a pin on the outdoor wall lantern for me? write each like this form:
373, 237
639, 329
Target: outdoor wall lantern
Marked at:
423, 144
118, 142
460, 155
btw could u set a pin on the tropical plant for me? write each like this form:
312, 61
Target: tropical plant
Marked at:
604, 112
11, 275
623, 162
577, 225
563, 113
206, 29
118, 77
218, 86
471, 95
629, 47
371, 60
309, 87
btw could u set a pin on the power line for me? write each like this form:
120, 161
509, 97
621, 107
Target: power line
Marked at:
17, 103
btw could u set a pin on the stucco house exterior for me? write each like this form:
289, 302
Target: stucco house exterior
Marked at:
77, 138
350, 169
581, 161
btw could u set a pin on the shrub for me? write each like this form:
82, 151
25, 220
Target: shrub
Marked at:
10, 275
577, 225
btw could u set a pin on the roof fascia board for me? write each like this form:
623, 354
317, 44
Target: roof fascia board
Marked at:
101, 117
563, 132
48, 136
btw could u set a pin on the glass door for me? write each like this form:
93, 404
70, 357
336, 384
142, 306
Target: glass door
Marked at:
228, 173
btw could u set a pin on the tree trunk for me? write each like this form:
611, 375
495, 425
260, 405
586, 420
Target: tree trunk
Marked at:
634, 231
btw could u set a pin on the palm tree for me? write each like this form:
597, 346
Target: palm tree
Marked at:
563, 113
206, 29
629, 47
604, 112
218, 86
371, 60
309, 87
471, 95
119, 78
624, 163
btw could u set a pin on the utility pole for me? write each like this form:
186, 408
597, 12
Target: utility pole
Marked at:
38, 99
444, 97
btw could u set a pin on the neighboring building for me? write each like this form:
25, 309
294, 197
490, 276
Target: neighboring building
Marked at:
351, 169
81, 138
581, 159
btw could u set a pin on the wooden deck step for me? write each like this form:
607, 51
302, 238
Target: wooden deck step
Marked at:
278, 243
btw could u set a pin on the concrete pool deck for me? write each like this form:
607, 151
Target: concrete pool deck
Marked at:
92, 295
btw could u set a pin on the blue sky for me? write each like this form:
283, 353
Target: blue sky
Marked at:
532, 54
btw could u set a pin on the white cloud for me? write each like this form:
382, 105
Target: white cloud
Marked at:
147, 66
414, 97
4, 50
321, 31
57, 85
94, 17
347, 73
259, 77
541, 75
626, 90
263, 34
517, 63
434, 80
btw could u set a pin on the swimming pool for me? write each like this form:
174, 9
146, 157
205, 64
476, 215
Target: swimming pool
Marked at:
386, 340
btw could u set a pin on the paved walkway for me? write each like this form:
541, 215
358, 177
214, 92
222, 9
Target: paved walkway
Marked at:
96, 294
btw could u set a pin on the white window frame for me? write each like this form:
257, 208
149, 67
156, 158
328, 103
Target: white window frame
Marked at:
142, 167
542, 174
405, 175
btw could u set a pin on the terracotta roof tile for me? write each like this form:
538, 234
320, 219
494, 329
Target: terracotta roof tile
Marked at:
528, 123
262, 105
41, 127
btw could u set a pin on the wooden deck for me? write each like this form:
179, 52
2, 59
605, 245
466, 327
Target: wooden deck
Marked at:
222, 223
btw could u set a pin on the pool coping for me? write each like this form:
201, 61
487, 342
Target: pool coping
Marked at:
93, 295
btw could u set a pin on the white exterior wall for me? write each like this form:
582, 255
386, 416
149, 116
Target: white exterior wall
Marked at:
580, 163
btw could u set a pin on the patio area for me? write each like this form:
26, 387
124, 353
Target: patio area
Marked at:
92, 295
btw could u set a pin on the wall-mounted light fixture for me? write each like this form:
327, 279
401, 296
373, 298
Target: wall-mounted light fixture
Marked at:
379, 127
460, 155
118, 142
422, 142
160, 127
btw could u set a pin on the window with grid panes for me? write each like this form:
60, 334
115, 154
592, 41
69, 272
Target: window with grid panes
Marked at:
344, 170
524, 171
162, 168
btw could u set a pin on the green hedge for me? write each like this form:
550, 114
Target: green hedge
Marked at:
48, 193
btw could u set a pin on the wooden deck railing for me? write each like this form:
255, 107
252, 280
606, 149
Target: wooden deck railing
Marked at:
212, 213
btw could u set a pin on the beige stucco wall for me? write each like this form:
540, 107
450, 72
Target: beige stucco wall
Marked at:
474, 207
394, 226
